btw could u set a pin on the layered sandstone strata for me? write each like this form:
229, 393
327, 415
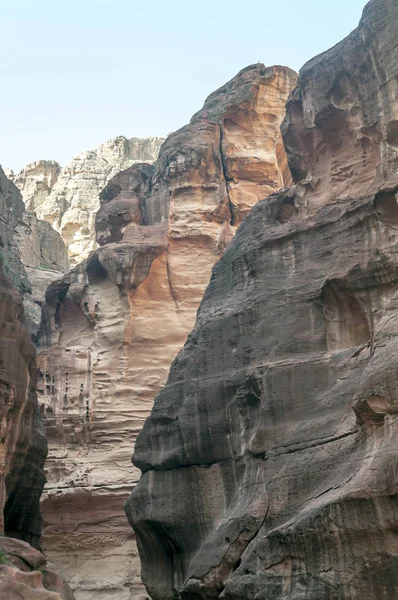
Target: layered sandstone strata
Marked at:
68, 197
113, 325
269, 459
22, 441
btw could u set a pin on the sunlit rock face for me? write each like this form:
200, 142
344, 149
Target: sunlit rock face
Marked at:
68, 197
23, 445
269, 459
113, 325
35, 181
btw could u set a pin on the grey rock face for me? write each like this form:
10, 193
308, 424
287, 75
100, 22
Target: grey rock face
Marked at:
40, 246
11, 211
269, 459
45, 258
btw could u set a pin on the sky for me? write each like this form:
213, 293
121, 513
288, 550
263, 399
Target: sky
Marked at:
74, 73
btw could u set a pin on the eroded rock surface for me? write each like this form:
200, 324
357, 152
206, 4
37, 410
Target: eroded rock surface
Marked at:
45, 258
68, 197
269, 459
113, 325
23, 445
35, 181
26, 575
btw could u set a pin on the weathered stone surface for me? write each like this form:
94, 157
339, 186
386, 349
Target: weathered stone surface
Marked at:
36, 181
25, 574
113, 325
40, 246
269, 459
33, 558
68, 197
11, 211
45, 258
18, 585
22, 442
23, 445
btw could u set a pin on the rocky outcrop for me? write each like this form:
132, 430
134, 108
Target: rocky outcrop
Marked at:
113, 325
40, 246
26, 575
67, 198
23, 445
36, 181
269, 459
45, 258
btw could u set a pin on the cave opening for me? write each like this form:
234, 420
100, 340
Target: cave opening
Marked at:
95, 271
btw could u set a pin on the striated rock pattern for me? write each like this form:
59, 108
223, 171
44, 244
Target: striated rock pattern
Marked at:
67, 198
23, 445
113, 325
269, 459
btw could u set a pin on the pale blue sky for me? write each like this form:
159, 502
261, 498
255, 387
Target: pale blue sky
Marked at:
75, 73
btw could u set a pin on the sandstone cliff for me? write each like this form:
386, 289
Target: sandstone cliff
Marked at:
113, 325
22, 441
24, 573
68, 197
269, 459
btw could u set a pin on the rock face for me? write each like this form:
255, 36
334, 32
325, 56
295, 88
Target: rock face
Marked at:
269, 459
45, 258
40, 246
23, 445
67, 198
26, 575
36, 181
113, 325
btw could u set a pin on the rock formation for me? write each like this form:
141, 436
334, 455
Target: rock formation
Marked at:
36, 181
68, 197
24, 573
22, 441
45, 258
112, 326
269, 459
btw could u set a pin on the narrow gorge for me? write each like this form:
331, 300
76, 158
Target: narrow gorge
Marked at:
112, 326
269, 459
223, 303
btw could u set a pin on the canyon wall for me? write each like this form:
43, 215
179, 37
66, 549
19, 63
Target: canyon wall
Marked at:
113, 325
45, 258
68, 197
23, 446
269, 459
